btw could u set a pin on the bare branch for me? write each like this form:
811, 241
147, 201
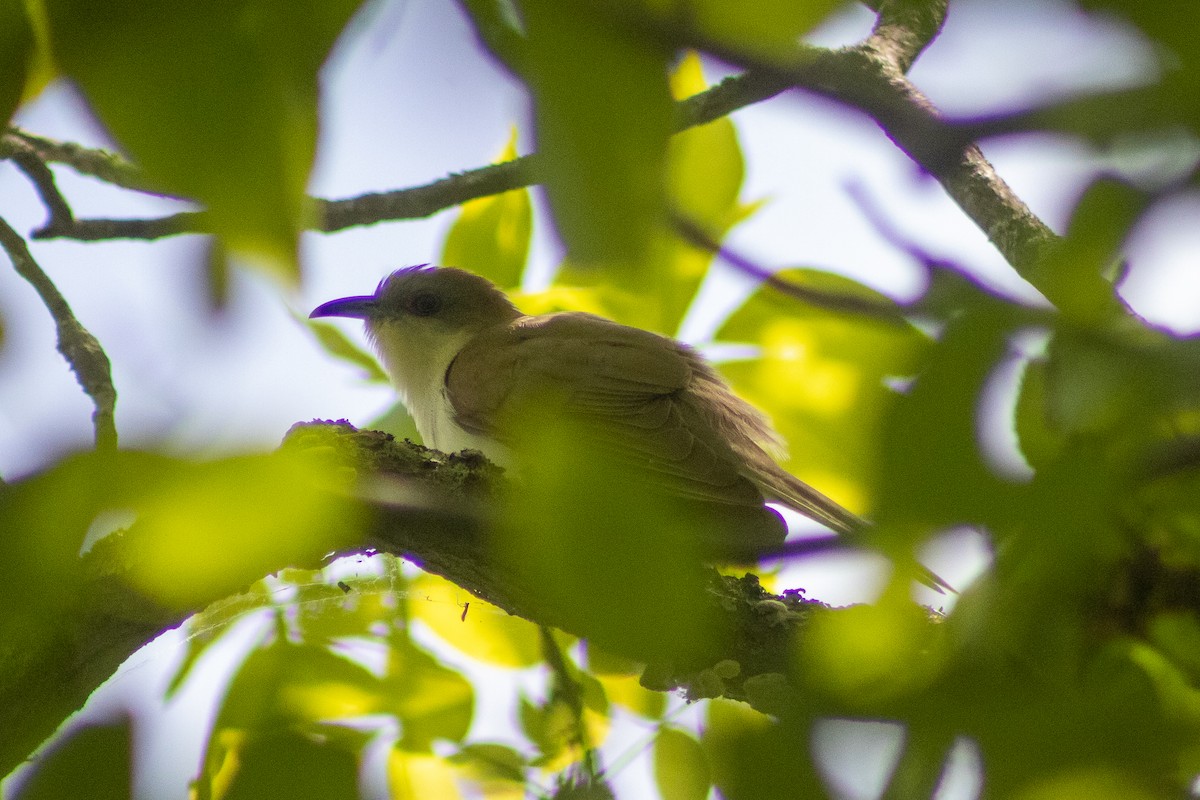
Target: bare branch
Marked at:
886, 311
34, 167
869, 76
905, 28
77, 345
100, 229
106, 165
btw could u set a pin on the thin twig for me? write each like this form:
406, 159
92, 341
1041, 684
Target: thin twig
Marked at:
847, 303
29, 161
78, 346
97, 162
869, 76
904, 28
415, 202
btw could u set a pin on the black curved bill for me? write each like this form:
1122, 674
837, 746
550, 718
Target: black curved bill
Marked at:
359, 307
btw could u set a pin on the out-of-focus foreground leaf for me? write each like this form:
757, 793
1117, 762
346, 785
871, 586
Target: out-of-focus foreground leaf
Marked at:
215, 101
822, 378
16, 49
603, 114
491, 235
98, 757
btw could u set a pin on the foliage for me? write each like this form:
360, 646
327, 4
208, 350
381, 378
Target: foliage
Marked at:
1072, 667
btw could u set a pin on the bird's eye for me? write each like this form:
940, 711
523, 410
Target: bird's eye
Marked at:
425, 304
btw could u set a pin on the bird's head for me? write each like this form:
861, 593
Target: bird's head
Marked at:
443, 298
423, 313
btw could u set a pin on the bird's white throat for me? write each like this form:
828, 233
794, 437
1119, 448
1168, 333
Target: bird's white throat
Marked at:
416, 359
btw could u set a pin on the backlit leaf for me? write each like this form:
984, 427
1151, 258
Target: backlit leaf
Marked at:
491, 235
431, 701
680, 766
99, 758
473, 626
215, 101
603, 114
823, 378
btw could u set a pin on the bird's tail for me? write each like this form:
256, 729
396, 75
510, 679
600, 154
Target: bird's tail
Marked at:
781, 486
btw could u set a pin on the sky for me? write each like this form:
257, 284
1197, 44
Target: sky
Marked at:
409, 98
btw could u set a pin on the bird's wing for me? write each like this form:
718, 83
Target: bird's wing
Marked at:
630, 391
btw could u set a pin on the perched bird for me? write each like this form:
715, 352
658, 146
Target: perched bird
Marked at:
468, 365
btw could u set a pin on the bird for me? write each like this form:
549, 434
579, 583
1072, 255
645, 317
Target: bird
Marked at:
469, 366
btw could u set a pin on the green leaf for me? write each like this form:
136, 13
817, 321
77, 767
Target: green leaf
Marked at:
704, 172
491, 235
551, 727
338, 345
431, 701
933, 470
99, 758
768, 29
680, 766
753, 757
192, 520
1076, 274
215, 101
491, 765
16, 50
603, 114
289, 764
823, 378
287, 684
479, 630
1040, 442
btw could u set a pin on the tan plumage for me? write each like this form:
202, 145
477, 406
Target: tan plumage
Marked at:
467, 363
646, 398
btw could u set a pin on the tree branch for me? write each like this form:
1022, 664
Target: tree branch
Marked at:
869, 76
433, 509
78, 346
904, 28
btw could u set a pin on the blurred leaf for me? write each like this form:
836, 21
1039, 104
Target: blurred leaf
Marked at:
680, 766
286, 684
431, 701
339, 345
704, 172
209, 625
491, 235
92, 761
933, 471
415, 776
705, 166
821, 377
498, 771
215, 101
628, 693
755, 757
603, 114
485, 632
194, 519
1076, 274
552, 729
288, 764
1040, 442
871, 654
584, 525
16, 50
1096, 783
766, 29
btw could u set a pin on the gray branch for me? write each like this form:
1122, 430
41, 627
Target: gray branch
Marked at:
78, 346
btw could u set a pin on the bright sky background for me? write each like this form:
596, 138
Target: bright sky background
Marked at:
408, 100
